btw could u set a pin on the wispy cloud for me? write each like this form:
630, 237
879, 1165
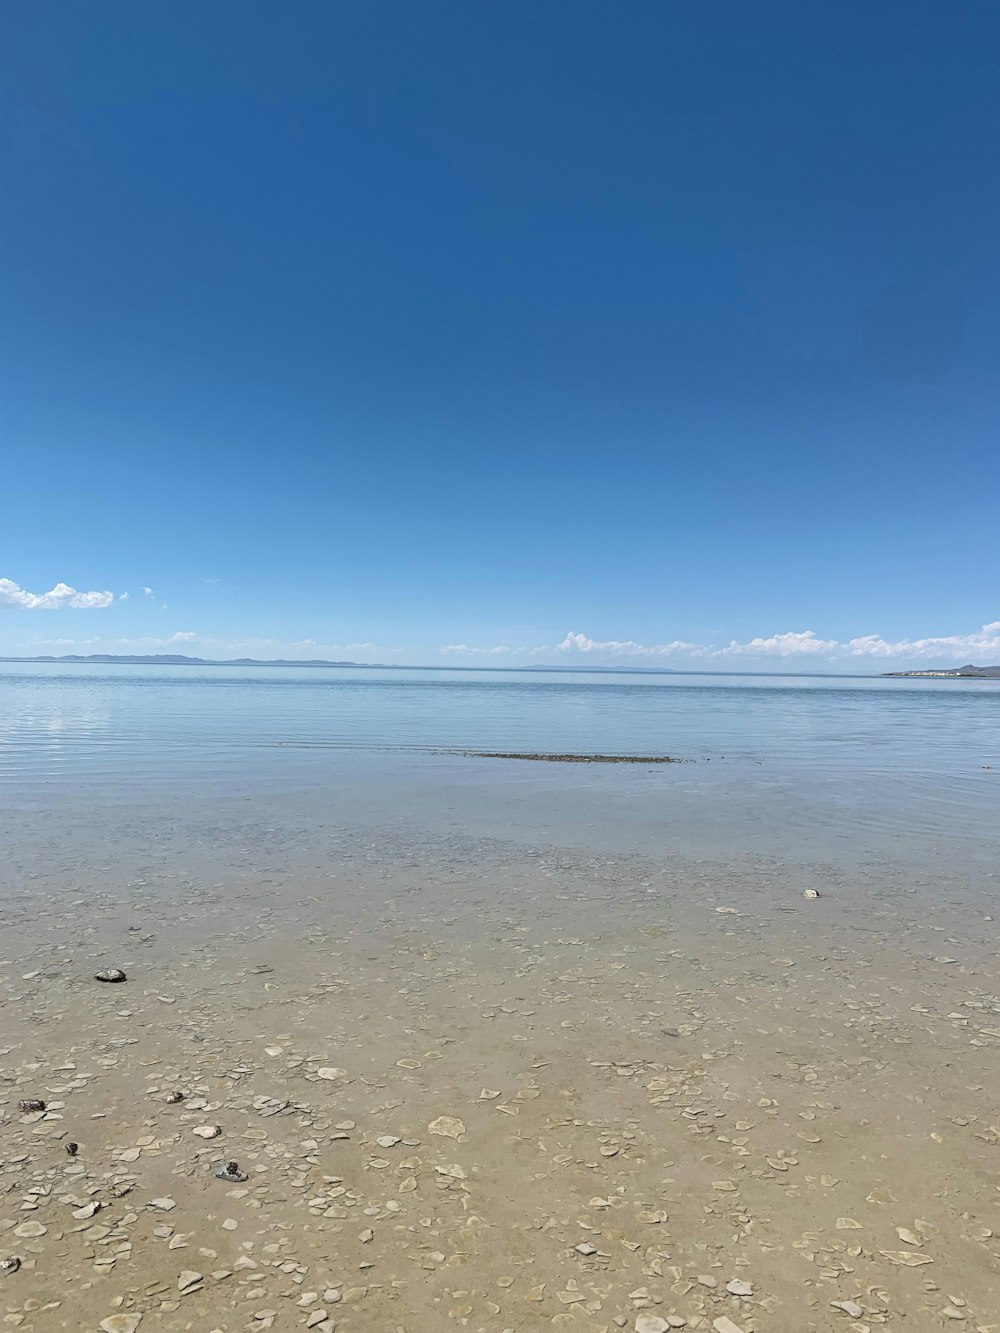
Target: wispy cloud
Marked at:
62, 595
210, 646
103, 644
468, 650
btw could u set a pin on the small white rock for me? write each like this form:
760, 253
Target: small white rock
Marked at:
165, 1205
849, 1307
739, 1288
207, 1131
189, 1278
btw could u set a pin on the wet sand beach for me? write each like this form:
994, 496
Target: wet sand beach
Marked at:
488, 1088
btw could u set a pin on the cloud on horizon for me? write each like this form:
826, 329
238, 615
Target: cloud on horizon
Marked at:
792, 644
207, 646
62, 595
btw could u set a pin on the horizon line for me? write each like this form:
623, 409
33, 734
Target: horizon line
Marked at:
182, 660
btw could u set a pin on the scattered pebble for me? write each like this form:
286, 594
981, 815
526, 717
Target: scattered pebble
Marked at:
110, 974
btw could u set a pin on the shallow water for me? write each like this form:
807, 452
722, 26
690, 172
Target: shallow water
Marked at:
605, 978
800, 775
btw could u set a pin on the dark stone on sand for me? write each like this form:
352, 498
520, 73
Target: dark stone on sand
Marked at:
31, 1104
110, 974
72, 1148
232, 1173
10, 1265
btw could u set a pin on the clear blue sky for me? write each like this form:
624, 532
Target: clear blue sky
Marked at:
418, 325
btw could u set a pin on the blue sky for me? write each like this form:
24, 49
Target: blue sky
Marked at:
578, 331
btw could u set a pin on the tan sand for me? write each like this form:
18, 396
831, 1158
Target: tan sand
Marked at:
498, 1109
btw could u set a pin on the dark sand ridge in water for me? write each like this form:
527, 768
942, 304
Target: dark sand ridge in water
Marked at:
476, 1088
570, 758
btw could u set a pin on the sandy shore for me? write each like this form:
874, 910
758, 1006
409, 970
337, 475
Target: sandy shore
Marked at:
528, 1100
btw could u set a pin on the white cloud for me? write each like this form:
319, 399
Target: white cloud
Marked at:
579, 643
59, 596
782, 645
149, 592
983, 642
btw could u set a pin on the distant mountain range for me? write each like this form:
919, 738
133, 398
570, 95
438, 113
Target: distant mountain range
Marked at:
976, 673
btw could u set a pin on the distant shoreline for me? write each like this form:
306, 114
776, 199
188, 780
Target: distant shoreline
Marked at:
179, 660
959, 673
160, 660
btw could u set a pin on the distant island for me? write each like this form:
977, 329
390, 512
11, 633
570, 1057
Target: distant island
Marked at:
952, 673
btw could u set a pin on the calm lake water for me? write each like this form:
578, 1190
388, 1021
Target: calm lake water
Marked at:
835, 771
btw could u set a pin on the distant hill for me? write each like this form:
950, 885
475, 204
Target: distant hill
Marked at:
976, 673
177, 659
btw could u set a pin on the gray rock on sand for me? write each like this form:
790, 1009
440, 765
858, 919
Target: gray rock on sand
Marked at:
31, 1104
10, 1265
230, 1171
111, 974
